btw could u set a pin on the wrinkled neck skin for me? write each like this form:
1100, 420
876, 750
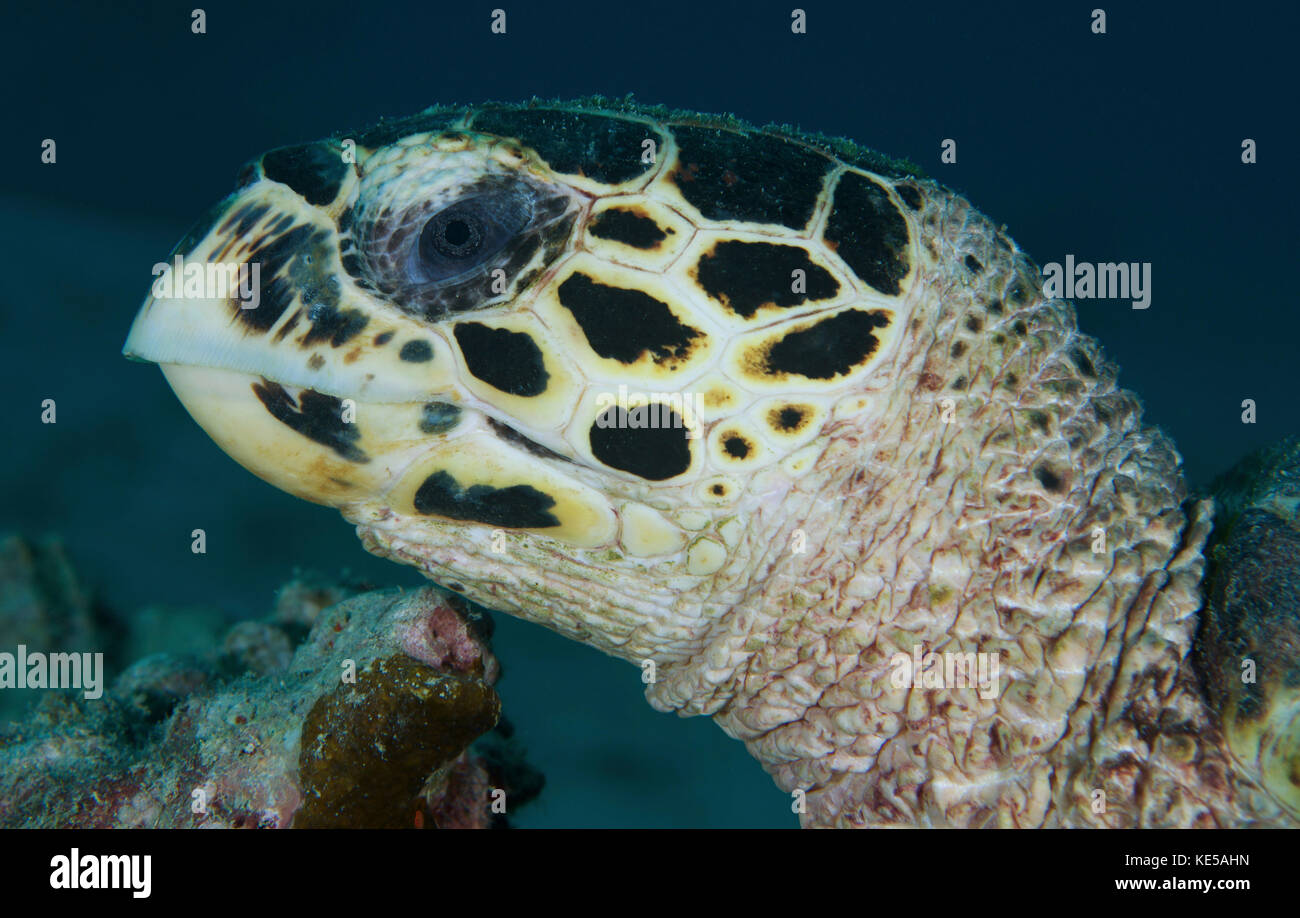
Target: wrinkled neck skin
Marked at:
988, 496
1033, 529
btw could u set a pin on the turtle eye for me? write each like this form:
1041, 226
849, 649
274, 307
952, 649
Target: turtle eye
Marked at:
438, 245
462, 236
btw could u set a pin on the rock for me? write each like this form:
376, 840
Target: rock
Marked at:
367, 722
404, 721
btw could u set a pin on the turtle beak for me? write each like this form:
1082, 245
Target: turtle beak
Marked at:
247, 325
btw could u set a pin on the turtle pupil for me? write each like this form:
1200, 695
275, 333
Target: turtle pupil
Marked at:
456, 235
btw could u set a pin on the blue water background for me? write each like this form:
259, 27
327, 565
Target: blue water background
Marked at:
1117, 147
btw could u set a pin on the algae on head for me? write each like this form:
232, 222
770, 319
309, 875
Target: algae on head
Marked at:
440, 117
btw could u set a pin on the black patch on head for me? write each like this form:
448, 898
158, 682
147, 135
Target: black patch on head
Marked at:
288, 326
518, 506
829, 348
1011, 380
1049, 479
243, 219
958, 349
736, 447
629, 228
510, 435
974, 323
654, 453
313, 170
391, 130
787, 418
317, 417
746, 276
416, 351
910, 195
319, 290
506, 360
959, 384
279, 226
383, 338
760, 178
1020, 329
1083, 363
290, 266
869, 233
994, 307
1039, 420
601, 147
339, 326
719, 489
352, 264
973, 264
622, 324
439, 417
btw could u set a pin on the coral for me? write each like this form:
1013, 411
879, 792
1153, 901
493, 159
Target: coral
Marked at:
367, 721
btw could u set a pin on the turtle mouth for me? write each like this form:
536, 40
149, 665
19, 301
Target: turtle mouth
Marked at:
514, 437
432, 459
321, 447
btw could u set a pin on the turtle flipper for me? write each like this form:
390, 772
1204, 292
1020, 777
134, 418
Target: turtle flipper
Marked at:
1248, 648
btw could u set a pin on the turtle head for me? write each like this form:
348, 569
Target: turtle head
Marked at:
567, 362
322, 290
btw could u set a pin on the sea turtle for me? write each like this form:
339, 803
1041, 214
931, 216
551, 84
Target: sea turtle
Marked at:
767, 414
